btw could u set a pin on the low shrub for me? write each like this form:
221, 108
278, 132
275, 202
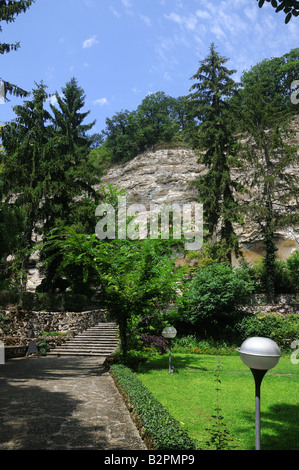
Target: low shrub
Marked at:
163, 431
283, 329
191, 345
157, 342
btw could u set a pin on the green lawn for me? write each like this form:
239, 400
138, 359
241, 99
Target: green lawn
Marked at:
190, 396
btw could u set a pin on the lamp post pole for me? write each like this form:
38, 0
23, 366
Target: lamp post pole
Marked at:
260, 355
169, 332
258, 375
169, 344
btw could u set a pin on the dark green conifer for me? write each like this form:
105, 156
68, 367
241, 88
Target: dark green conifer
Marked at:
9, 10
216, 138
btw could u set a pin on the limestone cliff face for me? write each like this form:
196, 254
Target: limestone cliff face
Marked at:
166, 176
156, 177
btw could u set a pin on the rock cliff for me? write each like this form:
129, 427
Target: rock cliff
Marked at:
166, 176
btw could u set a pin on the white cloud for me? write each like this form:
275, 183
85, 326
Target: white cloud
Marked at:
219, 33
89, 3
101, 101
90, 42
146, 20
126, 3
115, 13
52, 99
204, 15
188, 22
251, 13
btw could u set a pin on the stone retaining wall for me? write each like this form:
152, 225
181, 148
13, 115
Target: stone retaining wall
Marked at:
283, 305
23, 327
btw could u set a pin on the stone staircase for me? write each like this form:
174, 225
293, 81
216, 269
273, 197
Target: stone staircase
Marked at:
99, 340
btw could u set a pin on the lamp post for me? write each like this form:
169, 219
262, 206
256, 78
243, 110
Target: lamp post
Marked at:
259, 354
169, 332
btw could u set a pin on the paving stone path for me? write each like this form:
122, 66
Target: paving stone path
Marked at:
63, 403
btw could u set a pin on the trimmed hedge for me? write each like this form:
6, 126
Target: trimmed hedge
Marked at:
163, 431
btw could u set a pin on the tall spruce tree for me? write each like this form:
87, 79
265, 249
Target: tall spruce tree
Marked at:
24, 183
73, 197
9, 10
45, 170
215, 136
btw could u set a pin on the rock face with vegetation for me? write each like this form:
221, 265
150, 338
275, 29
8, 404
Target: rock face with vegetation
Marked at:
167, 175
161, 176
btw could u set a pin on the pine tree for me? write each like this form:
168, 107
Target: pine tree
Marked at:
9, 10
72, 175
215, 136
45, 167
24, 180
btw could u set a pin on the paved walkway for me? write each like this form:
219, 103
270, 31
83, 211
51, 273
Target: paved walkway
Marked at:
62, 403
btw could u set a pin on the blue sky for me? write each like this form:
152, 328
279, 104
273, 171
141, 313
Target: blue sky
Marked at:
122, 50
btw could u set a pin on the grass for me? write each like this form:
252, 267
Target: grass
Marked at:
190, 396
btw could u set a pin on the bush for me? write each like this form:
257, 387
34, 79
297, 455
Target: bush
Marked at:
214, 295
276, 327
286, 275
293, 268
157, 342
164, 431
191, 345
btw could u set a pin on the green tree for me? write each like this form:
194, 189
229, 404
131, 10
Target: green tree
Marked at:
136, 277
289, 7
11, 229
71, 177
24, 141
121, 132
157, 120
9, 10
273, 203
45, 167
212, 298
216, 136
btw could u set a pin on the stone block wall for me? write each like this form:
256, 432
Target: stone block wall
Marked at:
284, 304
23, 327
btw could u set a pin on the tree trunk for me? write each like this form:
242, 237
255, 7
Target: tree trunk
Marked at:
123, 334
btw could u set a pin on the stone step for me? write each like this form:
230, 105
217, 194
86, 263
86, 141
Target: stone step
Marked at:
80, 353
99, 340
94, 341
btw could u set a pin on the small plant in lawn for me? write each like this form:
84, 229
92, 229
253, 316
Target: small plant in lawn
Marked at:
220, 436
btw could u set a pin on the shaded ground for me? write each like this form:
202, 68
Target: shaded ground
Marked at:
62, 403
